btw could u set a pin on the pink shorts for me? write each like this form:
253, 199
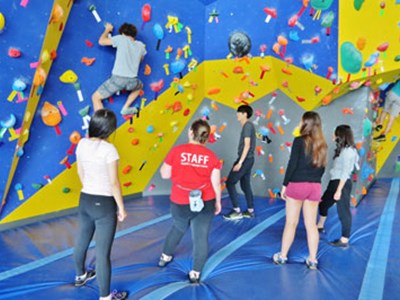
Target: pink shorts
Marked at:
304, 191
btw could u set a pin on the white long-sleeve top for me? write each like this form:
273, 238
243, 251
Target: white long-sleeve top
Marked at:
344, 164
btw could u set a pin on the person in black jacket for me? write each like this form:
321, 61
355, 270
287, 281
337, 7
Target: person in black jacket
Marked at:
302, 186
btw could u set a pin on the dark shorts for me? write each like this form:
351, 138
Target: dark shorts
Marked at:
304, 191
117, 83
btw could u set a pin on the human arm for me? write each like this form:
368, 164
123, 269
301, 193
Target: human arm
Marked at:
143, 51
344, 164
343, 167
293, 160
216, 184
283, 192
246, 148
338, 193
81, 173
104, 40
112, 169
166, 171
166, 168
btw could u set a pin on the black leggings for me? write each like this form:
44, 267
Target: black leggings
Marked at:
96, 213
200, 224
244, 176
343, 205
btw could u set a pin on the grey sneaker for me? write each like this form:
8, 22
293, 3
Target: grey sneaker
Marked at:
312, 265
129, 111
248, 214
233, 215
81, 280
278, 259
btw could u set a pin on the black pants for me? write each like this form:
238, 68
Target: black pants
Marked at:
343, 205
244, 175
199, 223
96, 213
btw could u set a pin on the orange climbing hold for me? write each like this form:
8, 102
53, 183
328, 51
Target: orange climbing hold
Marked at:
213, 91
238, 70
127, 169
88, 61
147, 70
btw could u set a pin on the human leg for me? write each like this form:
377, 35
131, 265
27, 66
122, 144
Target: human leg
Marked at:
181, 220
97, 100
389, 125
134, 85
391, 107
326, 203
293, 208
85, 234
380, 120
200, 227
321, 224
106, 227
310, 209
245, 183
101, 211
131, 97
344, 213
107, 89
231, 181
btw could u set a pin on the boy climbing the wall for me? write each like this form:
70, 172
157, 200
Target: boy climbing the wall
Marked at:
391, 108
130, 53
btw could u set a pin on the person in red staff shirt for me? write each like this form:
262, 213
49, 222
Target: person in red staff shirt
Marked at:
195, 173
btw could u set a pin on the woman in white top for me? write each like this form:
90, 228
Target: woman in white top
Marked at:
339, 187
100, 203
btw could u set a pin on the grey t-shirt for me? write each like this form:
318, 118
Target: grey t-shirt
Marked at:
128, 57
248, 130
344, 164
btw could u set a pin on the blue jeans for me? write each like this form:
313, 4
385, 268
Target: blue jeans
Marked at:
243, 175
199, 223
96, 213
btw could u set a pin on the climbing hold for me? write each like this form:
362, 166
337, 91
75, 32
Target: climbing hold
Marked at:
2, 22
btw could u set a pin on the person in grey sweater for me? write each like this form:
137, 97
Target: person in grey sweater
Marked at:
339, 187
124, 76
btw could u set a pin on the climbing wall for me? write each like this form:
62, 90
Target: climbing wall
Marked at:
81, 66
275, 129
57, 17
16, 72
294, 55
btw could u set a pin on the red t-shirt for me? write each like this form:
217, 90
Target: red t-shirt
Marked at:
192, 166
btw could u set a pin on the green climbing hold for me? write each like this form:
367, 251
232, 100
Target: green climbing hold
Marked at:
327, 20
66, 190
84, 111
351, 58
358, 4
37, 186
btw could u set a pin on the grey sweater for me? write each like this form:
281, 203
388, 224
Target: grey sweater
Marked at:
344, 164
